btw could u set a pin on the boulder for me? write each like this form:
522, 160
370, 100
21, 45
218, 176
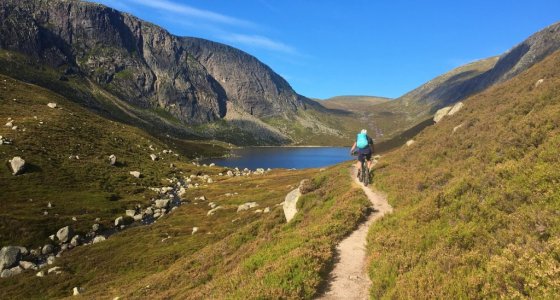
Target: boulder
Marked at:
11, 272
456, 108
162, 203
149, 211
112, 159
138, 217
64, 234
247, 206
441, 113
99, 239
51, 105
47, 249
9, 257
18, 165
410, 143
135, 174
130, 212
229, 173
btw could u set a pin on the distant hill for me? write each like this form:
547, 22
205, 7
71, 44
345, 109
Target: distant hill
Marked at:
476, 198
420, 104
353, 103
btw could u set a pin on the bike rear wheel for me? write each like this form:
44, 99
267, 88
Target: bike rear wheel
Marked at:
365, 173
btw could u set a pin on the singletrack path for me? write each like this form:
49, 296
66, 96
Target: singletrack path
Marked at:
349, 279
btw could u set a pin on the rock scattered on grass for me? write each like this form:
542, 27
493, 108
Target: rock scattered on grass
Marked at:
153, 157
98, 239
247, 206
76, 291
135, 174
51, 105
410, 143
213, 210
194, 230
112, 159
539, 82
18, 165
9, 257
64, 234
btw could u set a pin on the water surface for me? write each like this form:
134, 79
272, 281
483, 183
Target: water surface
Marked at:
283, 157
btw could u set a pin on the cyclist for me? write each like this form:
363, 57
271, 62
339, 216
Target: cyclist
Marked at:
364, 146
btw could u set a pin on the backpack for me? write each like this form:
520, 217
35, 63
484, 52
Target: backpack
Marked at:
362, 141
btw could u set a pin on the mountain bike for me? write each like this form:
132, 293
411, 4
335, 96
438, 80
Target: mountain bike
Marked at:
363, 175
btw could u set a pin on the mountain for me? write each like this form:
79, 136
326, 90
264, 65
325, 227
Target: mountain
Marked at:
137, 72
476, 198
420, 104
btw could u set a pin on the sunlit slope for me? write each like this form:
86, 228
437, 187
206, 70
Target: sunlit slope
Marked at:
477, 199
67, 150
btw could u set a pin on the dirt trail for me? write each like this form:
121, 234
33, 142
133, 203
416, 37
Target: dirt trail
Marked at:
349, 279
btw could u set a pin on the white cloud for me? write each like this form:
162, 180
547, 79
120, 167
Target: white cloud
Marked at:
189, 11
259, 41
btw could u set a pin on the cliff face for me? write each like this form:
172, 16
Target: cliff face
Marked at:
248, 83
142, 63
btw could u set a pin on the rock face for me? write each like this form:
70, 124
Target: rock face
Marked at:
143, 64
248, 83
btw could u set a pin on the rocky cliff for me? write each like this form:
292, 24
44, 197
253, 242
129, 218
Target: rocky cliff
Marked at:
143, 64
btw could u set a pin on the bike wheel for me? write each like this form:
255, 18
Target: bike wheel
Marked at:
365, 175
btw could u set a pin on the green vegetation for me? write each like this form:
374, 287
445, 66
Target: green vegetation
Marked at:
476, 206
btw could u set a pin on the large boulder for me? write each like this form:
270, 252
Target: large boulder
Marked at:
64, 234
456, 108
9, 257
11, 272
18, 165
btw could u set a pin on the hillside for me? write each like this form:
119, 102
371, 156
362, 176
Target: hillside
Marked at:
69, 181
476, 199
420, 104
356, 104
133, 71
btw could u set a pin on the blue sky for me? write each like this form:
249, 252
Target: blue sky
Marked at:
329, 48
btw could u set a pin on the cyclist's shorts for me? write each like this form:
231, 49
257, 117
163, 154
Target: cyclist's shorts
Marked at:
364, 154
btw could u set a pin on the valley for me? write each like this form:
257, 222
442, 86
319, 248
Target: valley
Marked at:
114, 118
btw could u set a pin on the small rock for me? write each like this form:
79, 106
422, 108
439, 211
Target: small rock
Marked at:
194, 230
130, 212
11, 272
55, 270
51, 259
266, 210
138, 217
51, 105
75, 240
153, 157
162, 203
210, 180
26, 265
212, 164
40, 274
456, 108
18, 165
247, 206
47, 249
229, 173
135, 174
99, 239
441, 113
410, 143
119, 221
52, 237
95, 227
149, 211
213, 210
539, 82
76, 291
112, 159
457, 127
64, 234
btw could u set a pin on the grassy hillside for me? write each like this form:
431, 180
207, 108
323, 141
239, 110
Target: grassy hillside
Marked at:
86, 187
476, 199
240, 255
356, 104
